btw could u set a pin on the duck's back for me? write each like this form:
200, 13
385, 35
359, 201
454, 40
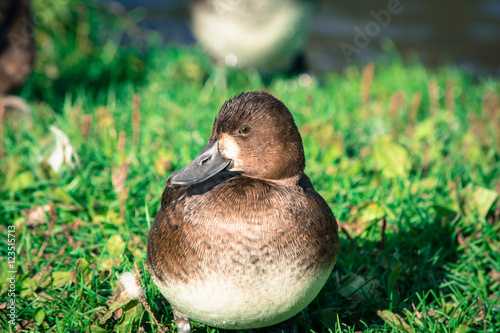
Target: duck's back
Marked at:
239, 252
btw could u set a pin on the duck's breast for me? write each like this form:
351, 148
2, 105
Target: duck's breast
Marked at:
244, 255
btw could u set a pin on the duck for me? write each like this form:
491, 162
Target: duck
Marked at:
268, 36
242, 240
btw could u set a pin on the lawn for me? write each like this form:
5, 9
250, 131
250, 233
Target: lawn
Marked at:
407, 157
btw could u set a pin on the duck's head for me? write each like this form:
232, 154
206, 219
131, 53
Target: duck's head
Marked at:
253, 134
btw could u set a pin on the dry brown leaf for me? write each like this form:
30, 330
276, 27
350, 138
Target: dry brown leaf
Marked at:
118, 314
35, 216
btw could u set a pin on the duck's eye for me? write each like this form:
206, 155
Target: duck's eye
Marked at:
245, 129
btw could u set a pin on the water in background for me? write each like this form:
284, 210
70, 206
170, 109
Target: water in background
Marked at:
466, 32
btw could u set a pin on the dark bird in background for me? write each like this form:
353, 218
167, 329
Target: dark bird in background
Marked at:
17, 47
268, 36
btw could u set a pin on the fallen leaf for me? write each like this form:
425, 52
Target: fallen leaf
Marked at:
20, 181
463, 329
81, 265
99, 329
118, 314
35, 216
358, 288
115, 246
43, 278
483, 199
132, 314
39, 316
473, 200
61, 279
115, 305
107, 264
367, 212
28, 287
391, 158
83, 271
394, 320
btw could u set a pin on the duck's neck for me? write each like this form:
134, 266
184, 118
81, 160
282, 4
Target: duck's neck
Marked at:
290, 181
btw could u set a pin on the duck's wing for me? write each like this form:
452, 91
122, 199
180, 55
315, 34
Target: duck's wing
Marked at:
165, 251
324, 226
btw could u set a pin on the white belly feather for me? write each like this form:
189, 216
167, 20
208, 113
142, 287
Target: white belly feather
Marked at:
248, 302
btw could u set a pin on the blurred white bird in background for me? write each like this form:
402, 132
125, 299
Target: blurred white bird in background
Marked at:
268, 36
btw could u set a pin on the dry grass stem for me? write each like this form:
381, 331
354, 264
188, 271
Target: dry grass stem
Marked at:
123, 200
121, 142
396, 104
416, 101
366, 84
52, 222
433, 97
136, 119
145, 304
449, 98
119, 176
87, 121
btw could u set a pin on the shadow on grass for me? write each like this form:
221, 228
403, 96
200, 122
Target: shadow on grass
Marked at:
371, 276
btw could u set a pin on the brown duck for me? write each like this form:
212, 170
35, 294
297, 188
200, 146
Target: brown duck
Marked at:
17, 47
242, 239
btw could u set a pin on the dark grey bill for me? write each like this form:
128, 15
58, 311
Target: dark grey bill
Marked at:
204, 166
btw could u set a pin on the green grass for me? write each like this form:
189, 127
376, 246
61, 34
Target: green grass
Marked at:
429, 172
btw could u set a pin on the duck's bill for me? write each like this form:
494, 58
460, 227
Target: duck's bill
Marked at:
207, 164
